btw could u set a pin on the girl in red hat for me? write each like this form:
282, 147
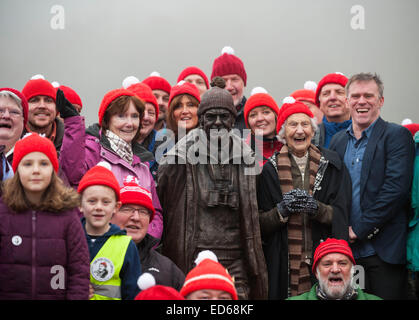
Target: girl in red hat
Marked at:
43, 252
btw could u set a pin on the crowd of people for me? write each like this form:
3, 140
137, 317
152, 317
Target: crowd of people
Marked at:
193, 191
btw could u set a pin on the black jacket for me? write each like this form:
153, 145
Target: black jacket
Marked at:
336, 191
161, 267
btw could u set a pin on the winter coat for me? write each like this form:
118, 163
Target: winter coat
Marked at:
131, 268
161, 267
311, 295
36, 249
177, 184
82, 150
335, 190
240, 124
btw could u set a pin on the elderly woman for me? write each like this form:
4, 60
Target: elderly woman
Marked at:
113, 140
304, 196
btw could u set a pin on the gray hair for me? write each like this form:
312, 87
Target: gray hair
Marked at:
281, 133
364, 77
9, 94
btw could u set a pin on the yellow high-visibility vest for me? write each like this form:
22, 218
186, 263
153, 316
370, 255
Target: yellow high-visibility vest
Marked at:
106, 266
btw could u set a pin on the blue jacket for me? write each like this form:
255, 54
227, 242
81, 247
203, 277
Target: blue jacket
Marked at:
386, 178
131, 269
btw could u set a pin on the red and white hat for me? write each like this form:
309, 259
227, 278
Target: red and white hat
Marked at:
289, 107
38, 86
306, 94
133, 193
109, 97
228, 63
259, 97
150, 291
208, 274
33, 142
101, 175
69, 93
193, 70
24, 102
331, 245
184, 87
156, 82
337, 77
142, 90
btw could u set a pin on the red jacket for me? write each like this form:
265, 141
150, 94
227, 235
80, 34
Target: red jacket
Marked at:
43, 255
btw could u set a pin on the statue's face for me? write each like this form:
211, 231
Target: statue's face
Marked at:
214, 120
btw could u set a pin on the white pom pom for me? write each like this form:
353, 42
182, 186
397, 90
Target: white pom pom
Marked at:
406, 121
105, 165
155, 74
288, 100
310, 85
258, 90
181, 82
55, 84
129, 179
129, 81
228, 50
145, 281
340, 73
38, 76
206, 254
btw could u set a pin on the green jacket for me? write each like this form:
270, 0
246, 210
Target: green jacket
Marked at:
413, 234
311, 295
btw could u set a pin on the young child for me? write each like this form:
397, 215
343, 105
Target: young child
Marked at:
43, 251
114, 262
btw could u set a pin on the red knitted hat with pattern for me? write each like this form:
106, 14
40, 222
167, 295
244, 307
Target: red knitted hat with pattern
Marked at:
184, 87
156, 82
71, 95
133, 193
151, 291
24, 102
101, 175
208, 274
32, 142
331, 245
38, 86
259, 97
193, 70
109, 97
144, 92
336, 77
289, 107
228, 63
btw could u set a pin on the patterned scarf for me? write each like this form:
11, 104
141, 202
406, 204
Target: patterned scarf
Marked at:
299, 266
120, 146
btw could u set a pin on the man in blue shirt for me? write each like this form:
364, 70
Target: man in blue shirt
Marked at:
379, 156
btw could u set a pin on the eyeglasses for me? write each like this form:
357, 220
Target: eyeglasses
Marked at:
142, 212
13, 113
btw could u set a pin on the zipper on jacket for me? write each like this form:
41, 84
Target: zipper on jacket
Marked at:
33, 254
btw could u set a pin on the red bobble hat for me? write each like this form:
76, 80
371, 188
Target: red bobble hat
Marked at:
32, 142
184, 87
228, 63
109, 97
24, 102
193, 70
208, 274
156, 82
289, 107
38, 86
337, 77
331, 245
71, 95
132, 193
142, 91
306, 94
259, 97
151, 291
412, 127
101, 175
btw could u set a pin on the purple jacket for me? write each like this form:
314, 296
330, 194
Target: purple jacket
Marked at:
37, 249
81, 151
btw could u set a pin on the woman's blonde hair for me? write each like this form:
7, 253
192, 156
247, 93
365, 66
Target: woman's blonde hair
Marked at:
56, 198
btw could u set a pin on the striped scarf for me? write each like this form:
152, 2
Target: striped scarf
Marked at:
120, 146
298, 251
